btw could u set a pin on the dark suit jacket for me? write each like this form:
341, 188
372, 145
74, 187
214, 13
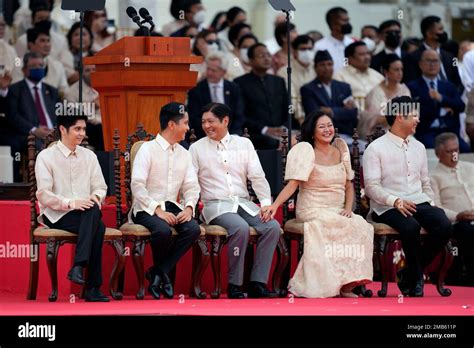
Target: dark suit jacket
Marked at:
314, 96
430, 109
411, 69
266, 105
200, 96
377, 60
21, 110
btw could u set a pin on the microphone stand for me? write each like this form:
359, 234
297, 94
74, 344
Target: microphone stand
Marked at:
81, 69
291, 107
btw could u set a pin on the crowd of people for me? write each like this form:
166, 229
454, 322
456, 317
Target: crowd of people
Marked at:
340, 82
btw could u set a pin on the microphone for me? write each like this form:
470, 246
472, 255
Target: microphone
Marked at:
132, 13
146, 16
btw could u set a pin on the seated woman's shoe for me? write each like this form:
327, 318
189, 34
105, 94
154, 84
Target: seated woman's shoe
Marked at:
349, 294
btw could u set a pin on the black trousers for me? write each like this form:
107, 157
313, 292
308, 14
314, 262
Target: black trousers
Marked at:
433, 220
464, 232
166, 253
90, 237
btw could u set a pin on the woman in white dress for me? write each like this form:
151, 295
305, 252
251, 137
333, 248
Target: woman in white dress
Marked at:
376, 101
338, 244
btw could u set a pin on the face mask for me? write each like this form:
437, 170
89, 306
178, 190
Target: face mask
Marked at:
199, 17
392, 40
36, 74
346, 28
212, 48
306, 56
244, 55
369, 43
442, 38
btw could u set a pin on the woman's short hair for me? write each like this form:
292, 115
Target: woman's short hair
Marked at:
309, 124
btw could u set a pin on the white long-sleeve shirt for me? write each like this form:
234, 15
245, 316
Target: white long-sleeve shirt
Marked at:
453, 188
63, 176
223, 169
162, 173
396, 168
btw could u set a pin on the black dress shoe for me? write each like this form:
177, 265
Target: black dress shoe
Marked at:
234, 291
259, 290
166, 286
95, 295
417, 290
154, 285
75, 275
403, 281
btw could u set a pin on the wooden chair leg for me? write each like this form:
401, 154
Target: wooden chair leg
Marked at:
217, 245
300, 248
52, 261
287, 270
447, 257
34, 270
381, 247
121, 277
200, 261
282, 261
119, 264
138, 255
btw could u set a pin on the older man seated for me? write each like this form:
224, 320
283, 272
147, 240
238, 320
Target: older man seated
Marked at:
453, 186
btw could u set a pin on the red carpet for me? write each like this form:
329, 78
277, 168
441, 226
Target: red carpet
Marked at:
461, 302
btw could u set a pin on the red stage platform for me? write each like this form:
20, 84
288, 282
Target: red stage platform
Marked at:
460, 303
14, 230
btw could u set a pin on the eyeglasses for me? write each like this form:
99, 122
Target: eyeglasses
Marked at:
99, 15
210, 42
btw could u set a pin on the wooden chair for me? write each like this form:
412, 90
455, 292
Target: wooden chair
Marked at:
55, 238
385, 236
139, 235
216, 236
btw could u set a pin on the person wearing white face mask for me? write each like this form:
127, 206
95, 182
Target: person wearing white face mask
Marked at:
187, 12
302, 72
244, 43
370, 36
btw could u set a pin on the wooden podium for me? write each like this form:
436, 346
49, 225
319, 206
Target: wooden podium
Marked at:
135, 77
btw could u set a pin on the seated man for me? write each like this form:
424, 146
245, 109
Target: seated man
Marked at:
330, 96
163, 170
31, 107
265, 100
223, 163
302, 71
358, 73
39, 42
214, 88
440, 102
397, 183
453, 186
71, 188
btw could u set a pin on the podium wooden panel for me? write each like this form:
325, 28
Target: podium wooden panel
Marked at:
135, 77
